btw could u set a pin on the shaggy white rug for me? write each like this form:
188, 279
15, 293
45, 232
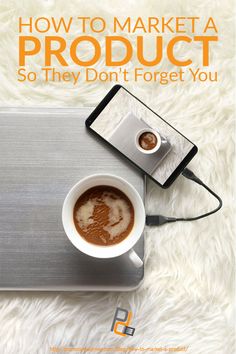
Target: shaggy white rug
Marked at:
187, 295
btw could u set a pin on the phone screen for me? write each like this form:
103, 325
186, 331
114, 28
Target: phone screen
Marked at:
141, 135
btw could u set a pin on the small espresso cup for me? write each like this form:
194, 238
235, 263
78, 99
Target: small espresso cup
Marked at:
148, 130
111, 251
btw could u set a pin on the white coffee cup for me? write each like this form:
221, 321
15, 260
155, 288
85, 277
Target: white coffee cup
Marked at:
117, 249
148, 130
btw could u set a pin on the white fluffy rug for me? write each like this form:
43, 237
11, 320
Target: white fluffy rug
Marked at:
187, 295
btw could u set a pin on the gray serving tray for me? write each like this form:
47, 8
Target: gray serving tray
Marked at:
43, 153
126, 143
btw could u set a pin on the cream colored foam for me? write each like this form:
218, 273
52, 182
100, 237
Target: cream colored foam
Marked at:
84, 214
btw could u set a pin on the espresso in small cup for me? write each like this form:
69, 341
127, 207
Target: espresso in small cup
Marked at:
148, 140
103, 215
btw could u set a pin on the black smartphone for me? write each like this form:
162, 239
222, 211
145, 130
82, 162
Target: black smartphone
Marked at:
141, 135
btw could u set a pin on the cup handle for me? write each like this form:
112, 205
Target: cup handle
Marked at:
135, 259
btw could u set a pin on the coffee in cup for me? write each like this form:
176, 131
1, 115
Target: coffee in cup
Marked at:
103, 215
110, 205
147, 140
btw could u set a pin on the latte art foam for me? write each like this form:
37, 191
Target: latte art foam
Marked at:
119, 213
104, 215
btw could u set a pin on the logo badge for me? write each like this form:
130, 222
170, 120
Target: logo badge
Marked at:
121, 321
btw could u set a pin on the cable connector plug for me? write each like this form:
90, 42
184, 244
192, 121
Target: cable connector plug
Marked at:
190, 175
158, 220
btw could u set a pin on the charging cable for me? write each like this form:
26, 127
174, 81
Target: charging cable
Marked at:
157, 220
